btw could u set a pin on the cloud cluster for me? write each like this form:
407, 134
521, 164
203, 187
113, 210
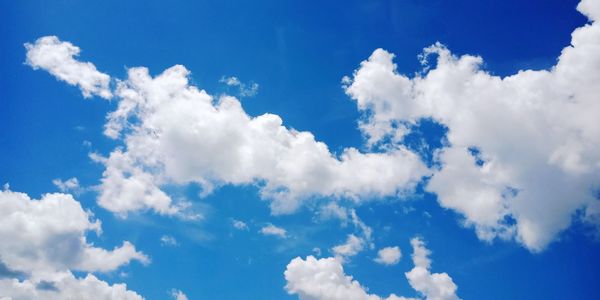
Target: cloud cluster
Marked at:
324, 279
523, 151
521, 156
44, 240
59, 58
175, 133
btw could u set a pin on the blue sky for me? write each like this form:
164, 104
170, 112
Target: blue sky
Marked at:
523, 224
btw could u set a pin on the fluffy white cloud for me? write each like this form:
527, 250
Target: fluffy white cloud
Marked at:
48, 235
324, 279
351, 247
434, 286
271, 229
175, 133
58, 58
64, 285
389, 256
535, 131
44, 240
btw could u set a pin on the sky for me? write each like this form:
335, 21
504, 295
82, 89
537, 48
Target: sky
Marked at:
300, 150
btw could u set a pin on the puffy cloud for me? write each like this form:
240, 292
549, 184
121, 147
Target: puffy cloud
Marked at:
58, 58
178, 295
522, 154
271, 229
434, 286
351, 247
244, 90
64, 285
176, 134
388, 256
44, 240
48, 235
325, 279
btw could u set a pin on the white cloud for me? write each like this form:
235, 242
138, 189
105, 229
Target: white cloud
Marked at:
44, 240
354, 243
351, 247
178, 295
64, 285
271, 229
436, 286
388, 256
536, 132
167, 240
245, 90
324, 279
175, 133
48, 235
239, 225
70, 185
58, 58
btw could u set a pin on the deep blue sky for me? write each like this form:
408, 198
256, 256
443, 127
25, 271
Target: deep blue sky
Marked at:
297, 51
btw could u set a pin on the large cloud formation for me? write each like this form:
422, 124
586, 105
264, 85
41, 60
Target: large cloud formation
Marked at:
324, 279
521, 156
523, 150
44, 240
175, 133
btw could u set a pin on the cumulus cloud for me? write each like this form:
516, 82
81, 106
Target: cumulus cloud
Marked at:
245, 90
44, 240
59, 59
388, 256
325, 279
49, 235
271, 229
176, 134
522, 150
64, 285
433, 286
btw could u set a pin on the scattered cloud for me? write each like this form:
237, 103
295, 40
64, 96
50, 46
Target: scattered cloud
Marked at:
271, 229
244, 90
58, 58
325, 279
70, 185
167, 240
239, 225
388, 256
433, 286
178, 295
